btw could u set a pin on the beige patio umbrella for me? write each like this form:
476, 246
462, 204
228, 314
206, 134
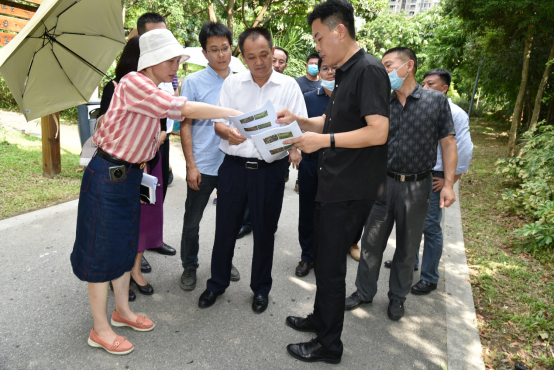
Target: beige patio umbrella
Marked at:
60, 56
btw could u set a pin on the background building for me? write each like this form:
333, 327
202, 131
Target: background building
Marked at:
411, 7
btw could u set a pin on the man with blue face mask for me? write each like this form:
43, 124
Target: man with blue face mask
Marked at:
310, 81
418, 120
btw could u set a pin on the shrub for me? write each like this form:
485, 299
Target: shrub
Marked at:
533, 171
7, 102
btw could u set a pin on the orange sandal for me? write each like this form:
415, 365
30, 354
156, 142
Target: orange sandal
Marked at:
120, 346
142, 323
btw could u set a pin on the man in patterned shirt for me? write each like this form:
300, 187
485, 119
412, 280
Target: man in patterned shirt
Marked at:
418, 120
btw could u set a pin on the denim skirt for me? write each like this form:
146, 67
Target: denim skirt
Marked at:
108, 221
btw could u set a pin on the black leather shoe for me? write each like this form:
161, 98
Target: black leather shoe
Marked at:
303, 268
354, 301
207, 299
312, 351
235, 274
395, 310
188, 279
388, 264
244, 231
423, 287
146, 289
145, 266
259, 303
301, 324
165, 250
132, 295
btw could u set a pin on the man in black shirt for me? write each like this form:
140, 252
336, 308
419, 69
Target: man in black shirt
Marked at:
418, 120
310, 82
352, 169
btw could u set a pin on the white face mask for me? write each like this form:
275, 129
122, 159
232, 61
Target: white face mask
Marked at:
329, 85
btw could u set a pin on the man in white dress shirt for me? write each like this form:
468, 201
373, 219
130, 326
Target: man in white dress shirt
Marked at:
440, 79
244, 178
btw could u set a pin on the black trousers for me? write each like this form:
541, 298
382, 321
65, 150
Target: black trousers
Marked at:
262, 190
164, 151
335, 226
406, 208
307, 190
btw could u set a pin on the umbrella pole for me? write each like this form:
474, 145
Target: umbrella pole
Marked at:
51, 154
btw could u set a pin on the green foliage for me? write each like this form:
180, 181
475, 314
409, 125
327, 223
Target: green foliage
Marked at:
23, 187
7, 101
495, 31
298, 44
533, 171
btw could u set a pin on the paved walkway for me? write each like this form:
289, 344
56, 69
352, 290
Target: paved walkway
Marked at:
45, 317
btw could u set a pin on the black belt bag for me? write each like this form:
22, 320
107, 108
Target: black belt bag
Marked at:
408, 178
120, 162
252, 163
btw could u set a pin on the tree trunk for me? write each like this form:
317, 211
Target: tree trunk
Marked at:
211, 11
540, 92
230, 13
262, 13
529, 110
516, 117
550, 110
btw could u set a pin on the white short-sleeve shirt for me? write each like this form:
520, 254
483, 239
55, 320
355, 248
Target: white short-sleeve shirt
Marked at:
464, 144
240, 92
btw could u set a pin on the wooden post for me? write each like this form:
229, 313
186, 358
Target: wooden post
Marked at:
51, 155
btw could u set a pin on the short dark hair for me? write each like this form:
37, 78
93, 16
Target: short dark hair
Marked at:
444, 75
253, 33
407, 53
335, 12
128, 61
148, 18
284, 51
319, 62
312, 56
214, 29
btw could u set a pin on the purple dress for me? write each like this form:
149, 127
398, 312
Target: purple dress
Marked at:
152, 215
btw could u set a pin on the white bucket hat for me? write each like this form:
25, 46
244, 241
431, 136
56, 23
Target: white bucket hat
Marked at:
157, 46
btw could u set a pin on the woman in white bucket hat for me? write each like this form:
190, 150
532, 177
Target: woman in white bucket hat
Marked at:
109, 203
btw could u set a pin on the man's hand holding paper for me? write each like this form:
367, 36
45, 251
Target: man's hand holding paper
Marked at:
235, 138
309, 142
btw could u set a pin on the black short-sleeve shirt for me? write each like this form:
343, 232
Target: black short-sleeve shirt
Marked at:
415, 129
362, 88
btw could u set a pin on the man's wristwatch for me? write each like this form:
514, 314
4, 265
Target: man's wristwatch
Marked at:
332, 140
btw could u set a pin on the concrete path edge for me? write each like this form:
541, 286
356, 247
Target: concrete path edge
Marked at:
463, 341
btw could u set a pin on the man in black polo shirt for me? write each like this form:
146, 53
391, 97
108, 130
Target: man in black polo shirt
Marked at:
418, 120
352, 169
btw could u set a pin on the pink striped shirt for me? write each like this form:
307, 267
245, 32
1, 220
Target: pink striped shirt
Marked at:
131, 126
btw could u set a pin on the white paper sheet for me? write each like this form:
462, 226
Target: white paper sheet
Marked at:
151, 182
270, 142
256, 121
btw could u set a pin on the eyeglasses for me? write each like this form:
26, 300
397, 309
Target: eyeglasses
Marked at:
223, 50
332, 69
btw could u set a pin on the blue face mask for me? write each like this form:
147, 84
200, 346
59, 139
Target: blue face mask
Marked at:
329, 85
395, 81
313, 69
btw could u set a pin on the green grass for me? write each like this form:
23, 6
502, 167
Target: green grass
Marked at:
513, 291
23, 188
